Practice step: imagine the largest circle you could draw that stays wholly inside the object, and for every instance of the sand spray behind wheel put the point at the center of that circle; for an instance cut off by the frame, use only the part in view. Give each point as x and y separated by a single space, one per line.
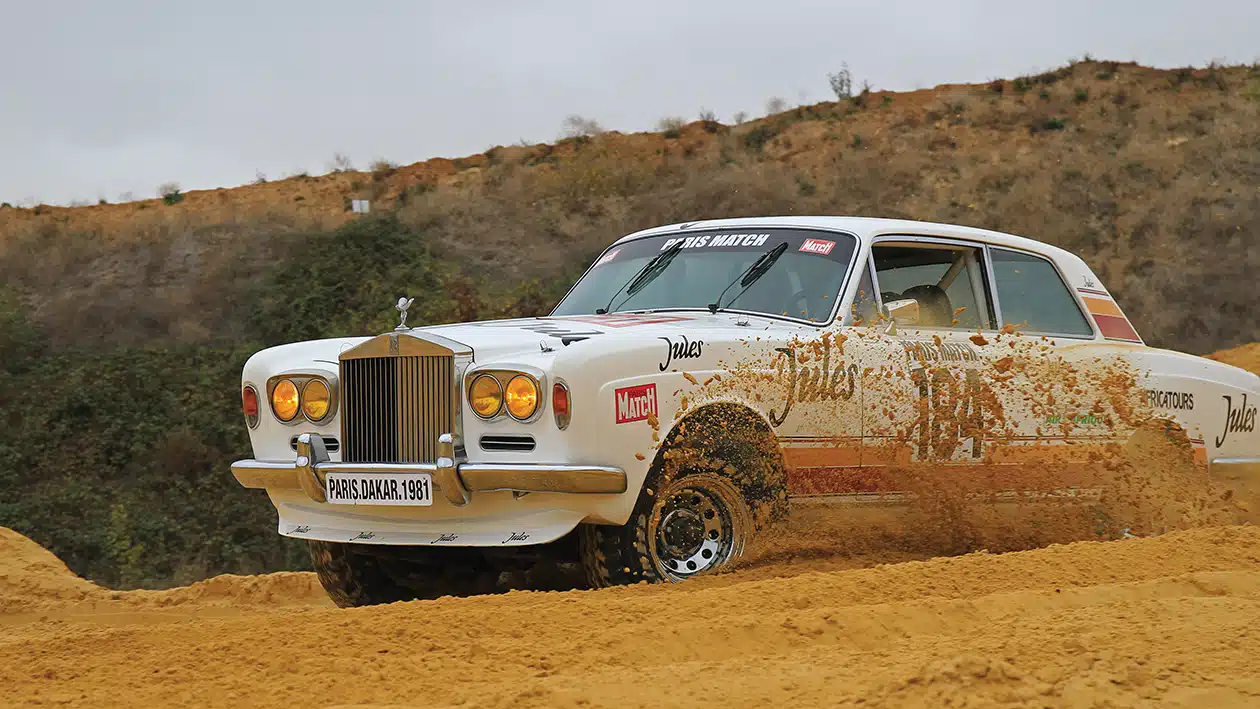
1024 444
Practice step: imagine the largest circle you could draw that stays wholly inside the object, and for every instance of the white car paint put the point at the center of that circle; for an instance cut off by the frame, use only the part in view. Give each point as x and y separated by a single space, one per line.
622 351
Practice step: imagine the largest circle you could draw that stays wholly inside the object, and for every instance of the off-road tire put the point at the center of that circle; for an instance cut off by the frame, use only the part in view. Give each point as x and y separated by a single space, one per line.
724 448
363 575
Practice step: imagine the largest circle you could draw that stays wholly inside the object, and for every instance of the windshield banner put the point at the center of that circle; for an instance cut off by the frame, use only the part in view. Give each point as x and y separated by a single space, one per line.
701 241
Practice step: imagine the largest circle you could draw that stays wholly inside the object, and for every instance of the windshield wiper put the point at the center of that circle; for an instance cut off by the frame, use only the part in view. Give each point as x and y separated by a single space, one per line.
646 275
750 275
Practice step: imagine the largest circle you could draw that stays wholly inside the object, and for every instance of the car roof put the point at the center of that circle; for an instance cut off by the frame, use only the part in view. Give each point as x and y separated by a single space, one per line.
867 229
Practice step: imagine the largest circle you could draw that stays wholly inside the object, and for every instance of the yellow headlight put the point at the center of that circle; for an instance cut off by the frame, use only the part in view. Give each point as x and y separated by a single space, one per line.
284 400
316 400
486 396
521 397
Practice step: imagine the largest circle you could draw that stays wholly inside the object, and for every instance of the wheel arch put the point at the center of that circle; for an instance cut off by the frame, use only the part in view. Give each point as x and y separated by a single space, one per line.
717 431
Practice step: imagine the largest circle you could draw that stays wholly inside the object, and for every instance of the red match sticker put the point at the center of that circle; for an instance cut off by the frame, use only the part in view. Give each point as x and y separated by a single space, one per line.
636 403
817 246
606 258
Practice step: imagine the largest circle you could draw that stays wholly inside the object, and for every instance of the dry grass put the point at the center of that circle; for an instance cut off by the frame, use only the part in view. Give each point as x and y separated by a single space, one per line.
1152 176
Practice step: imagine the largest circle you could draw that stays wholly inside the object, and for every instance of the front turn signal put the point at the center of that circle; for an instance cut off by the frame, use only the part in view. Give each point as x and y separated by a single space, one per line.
560 405
521 397
249 404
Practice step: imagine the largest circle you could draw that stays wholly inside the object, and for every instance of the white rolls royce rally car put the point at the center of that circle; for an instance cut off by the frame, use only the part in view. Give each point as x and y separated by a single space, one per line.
700 377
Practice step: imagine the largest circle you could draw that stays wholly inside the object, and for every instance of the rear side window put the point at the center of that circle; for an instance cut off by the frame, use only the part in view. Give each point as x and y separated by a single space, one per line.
1034 298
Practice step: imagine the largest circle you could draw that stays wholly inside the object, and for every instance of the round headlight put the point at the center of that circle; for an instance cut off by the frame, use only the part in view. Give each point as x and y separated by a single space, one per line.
485 395
521 397
284 400
316 400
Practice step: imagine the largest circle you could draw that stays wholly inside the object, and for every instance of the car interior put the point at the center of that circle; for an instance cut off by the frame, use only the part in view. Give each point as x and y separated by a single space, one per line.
941 278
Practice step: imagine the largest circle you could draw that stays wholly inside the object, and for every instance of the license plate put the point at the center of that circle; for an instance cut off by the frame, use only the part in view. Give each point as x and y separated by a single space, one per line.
379 489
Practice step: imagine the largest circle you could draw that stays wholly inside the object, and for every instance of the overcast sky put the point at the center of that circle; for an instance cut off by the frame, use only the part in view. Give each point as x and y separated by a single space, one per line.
98 99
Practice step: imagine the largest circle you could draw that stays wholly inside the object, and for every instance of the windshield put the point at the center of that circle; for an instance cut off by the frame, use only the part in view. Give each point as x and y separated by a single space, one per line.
802 283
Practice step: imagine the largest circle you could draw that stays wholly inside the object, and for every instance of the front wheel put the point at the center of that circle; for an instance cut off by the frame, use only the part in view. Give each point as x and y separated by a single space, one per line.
696 524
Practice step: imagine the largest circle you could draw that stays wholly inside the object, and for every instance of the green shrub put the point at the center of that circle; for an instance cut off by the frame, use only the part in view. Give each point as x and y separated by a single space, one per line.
170 193
1052 123
757 138
671 127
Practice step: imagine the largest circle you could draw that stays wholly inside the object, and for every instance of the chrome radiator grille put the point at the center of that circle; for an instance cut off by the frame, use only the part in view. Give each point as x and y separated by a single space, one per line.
394 408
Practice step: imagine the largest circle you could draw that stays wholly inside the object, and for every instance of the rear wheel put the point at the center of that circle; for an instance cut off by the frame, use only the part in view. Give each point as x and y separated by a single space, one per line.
1156 485
365 575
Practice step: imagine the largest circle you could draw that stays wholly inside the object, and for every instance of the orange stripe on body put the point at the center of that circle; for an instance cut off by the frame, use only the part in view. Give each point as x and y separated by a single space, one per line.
1111 320
840 456
831 481
889 453
888 468
1098 306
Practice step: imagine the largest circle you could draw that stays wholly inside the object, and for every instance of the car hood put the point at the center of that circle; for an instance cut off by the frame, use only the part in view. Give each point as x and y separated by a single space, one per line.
492 339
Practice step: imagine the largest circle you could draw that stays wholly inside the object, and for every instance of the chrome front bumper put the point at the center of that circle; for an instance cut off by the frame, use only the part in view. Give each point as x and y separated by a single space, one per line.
454 479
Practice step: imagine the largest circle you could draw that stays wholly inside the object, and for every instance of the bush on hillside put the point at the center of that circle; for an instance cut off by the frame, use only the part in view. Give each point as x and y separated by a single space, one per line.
166 309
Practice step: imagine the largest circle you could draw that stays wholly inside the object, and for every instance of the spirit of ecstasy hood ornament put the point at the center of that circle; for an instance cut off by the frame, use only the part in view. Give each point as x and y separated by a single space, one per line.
403 303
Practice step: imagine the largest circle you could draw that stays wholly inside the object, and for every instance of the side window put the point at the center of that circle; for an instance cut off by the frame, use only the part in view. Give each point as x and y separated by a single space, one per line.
1033 296
948 282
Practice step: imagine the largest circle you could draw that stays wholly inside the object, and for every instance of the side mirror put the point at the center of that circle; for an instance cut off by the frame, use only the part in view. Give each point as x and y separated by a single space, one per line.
902 312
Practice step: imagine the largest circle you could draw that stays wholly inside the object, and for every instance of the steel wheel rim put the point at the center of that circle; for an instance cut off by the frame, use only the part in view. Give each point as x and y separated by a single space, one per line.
696 530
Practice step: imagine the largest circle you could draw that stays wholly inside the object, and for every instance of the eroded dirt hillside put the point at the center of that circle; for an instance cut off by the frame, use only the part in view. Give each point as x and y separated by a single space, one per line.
1148 174
1129 623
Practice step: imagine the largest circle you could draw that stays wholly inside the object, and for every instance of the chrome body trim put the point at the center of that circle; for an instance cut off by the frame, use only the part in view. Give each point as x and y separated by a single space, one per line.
401 391
412 343
455 479
1236 466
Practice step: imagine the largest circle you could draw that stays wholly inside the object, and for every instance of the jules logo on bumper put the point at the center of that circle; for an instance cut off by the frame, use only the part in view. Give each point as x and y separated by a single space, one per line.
1239 418
635 403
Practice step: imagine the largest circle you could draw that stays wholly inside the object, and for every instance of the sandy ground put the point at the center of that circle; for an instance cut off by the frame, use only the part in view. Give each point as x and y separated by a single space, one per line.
826 614
1169 621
